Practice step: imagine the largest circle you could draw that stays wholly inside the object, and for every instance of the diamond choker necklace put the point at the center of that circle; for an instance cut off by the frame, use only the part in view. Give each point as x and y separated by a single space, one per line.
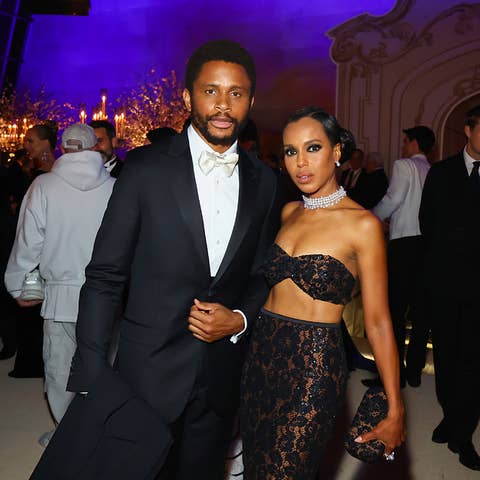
324 202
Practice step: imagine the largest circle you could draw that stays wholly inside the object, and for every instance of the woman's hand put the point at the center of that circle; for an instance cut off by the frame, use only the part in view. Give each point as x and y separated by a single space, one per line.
390 431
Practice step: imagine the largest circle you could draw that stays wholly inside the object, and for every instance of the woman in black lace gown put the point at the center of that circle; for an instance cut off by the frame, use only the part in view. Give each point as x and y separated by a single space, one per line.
295 373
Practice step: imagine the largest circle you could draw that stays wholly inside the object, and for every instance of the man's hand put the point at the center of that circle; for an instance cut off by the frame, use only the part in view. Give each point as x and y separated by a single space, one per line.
28 303
210 322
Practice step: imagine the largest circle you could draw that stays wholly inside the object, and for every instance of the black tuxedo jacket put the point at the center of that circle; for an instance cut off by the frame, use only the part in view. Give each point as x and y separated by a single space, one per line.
370 188
152 233
110 434
115 172
450 226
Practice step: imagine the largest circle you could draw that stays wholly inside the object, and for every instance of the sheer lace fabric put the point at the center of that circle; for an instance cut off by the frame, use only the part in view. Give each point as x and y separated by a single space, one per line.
321 276
293 380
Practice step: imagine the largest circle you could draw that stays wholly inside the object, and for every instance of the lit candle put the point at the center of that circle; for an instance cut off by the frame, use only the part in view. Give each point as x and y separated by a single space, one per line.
104 110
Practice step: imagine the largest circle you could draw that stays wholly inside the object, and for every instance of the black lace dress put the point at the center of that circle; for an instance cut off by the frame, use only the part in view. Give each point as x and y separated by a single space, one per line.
294 376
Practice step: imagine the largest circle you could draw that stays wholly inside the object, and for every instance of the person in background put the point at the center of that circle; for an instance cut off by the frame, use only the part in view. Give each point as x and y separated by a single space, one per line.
372 183
57 225
106 144
401 204
451 229
160 135
349 177
39 142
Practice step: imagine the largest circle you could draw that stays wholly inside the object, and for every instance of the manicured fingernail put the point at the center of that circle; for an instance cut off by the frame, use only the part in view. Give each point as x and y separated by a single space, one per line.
358 439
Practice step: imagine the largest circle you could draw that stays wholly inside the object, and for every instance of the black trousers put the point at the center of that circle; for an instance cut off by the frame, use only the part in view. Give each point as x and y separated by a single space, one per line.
201 439
29 359
406 297
456 339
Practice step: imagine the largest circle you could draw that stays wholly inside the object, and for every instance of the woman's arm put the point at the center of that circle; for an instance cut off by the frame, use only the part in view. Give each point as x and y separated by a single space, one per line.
372 265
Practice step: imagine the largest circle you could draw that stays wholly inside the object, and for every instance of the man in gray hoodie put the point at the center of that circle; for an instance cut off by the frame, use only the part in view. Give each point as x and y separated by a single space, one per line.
58 222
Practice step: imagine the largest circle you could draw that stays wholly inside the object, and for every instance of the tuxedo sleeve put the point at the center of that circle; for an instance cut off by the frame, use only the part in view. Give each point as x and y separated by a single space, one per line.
257 289
427 210
106 276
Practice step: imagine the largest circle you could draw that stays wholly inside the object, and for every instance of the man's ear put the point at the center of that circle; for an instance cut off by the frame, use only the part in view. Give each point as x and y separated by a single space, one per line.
114 142
252 101
467 131
187 100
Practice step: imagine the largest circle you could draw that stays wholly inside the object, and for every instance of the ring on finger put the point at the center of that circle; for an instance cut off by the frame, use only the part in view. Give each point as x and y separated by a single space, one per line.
390 457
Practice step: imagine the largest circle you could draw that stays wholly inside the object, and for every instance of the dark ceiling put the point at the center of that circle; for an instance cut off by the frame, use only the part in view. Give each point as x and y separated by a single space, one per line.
58 7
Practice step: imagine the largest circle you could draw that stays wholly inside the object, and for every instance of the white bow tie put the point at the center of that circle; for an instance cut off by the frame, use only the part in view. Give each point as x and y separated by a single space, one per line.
209 160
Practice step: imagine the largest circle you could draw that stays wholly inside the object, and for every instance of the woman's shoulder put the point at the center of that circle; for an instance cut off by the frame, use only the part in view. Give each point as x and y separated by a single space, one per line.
360 219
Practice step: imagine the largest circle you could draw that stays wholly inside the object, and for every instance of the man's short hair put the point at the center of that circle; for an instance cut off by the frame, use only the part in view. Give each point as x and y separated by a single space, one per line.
220 50
109 128
78 137
472 119
423 135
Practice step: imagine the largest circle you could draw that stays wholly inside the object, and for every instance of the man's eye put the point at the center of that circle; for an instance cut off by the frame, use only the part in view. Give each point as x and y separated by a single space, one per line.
236 94
314 148
289 152
209 91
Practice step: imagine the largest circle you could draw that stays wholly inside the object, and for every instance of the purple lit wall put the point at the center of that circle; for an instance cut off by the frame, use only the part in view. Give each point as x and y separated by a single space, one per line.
114 47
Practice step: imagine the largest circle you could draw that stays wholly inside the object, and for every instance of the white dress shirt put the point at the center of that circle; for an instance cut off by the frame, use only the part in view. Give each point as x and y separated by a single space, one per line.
110 164
218 195
468 161
402 200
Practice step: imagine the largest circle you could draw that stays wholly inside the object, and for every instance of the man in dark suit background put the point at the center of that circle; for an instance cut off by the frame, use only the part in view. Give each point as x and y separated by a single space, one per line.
188 226
372 183
449 221
349 177
106 144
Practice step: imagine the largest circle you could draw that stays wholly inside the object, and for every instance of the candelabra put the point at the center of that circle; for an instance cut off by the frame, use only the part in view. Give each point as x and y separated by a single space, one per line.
12 134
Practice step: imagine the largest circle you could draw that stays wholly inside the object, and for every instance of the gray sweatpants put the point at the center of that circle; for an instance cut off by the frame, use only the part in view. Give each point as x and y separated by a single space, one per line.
59 346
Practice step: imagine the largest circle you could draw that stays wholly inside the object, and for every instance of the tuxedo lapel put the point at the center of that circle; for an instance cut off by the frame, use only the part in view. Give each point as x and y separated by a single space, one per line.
186 195
248 182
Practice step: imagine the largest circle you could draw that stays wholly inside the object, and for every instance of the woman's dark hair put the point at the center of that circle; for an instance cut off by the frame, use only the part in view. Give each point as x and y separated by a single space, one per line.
219 50
333 130
48 132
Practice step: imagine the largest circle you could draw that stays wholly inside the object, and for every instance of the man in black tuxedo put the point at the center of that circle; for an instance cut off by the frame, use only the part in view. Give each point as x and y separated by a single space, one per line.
372 183
450 226
106 144
188 226
350 176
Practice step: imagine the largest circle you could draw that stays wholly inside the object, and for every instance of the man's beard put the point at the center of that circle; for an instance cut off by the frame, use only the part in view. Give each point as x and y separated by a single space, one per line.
201 123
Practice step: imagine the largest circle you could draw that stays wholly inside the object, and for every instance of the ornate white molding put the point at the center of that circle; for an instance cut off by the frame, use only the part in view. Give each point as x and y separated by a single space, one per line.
381 40
387 80
468 86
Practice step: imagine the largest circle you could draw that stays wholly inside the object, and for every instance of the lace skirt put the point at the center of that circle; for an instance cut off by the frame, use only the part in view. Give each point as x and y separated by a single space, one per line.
293 383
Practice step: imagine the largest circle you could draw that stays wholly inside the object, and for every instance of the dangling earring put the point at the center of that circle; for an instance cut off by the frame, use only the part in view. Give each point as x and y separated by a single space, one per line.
337 163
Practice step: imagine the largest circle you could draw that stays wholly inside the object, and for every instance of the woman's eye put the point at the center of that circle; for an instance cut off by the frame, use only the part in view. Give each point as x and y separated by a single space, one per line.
314 148
288 152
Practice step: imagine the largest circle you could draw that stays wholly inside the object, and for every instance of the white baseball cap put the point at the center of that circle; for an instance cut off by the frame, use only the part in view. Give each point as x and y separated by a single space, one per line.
79 137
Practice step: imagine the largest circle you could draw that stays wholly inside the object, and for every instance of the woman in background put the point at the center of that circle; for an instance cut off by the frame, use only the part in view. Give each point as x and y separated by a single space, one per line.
295 373
39 142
